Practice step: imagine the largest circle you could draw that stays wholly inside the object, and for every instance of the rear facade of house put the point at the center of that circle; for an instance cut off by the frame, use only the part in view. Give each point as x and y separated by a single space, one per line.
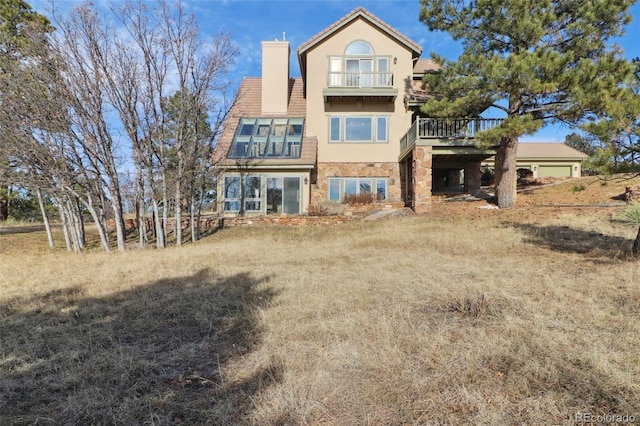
349 126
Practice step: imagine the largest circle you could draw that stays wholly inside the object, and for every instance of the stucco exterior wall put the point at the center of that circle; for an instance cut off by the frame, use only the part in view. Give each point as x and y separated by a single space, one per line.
318 111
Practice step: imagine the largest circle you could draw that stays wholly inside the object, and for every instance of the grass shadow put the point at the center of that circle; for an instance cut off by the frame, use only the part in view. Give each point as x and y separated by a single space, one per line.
561 238
160 353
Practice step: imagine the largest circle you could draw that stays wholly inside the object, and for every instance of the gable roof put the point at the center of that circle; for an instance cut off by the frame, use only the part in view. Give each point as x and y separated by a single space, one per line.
358 13
248 104
550 150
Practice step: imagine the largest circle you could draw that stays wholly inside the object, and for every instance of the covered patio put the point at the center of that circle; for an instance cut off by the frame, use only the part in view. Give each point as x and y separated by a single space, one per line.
440 155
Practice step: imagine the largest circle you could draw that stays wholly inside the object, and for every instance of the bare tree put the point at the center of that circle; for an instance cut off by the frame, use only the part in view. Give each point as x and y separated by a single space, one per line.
82 46
156 80
170 140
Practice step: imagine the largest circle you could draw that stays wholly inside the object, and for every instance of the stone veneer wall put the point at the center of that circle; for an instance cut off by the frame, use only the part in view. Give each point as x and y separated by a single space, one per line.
329 170
421 178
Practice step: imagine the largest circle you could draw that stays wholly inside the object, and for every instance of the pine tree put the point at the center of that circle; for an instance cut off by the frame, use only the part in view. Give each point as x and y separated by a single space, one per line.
538 61
17 21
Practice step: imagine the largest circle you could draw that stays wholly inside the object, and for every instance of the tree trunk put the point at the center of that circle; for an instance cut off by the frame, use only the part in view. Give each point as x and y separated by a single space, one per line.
4 210
65 226
100 223
81 230
116 205
140 204
506 173
74 226
192 218
158 226
636 244
165 205
45 218
178 214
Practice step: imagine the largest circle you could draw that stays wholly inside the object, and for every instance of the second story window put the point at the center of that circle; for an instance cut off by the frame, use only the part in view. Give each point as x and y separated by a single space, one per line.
360 67
361 128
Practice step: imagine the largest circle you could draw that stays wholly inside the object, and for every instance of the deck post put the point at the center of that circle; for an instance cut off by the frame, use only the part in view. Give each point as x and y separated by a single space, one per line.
472 177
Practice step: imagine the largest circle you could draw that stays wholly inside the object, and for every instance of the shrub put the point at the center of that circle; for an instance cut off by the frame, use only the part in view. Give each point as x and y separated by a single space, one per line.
318 210
329 208
524 173
473 305
362 198
487 176
631 214
578 188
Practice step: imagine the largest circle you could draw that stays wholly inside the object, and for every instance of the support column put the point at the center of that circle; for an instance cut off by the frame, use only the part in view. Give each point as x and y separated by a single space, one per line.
472 177
421 178
453 179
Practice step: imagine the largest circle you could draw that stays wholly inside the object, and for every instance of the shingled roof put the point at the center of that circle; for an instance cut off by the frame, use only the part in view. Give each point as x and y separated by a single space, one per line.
248 104
358 13
549 150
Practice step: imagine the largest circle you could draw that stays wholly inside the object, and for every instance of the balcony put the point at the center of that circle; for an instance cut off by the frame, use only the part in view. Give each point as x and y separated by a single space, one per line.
361 84
445 132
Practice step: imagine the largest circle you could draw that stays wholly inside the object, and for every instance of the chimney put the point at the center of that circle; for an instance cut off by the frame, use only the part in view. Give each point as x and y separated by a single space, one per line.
275 77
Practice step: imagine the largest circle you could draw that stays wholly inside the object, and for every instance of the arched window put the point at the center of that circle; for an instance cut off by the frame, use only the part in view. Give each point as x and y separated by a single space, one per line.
359 48
360 67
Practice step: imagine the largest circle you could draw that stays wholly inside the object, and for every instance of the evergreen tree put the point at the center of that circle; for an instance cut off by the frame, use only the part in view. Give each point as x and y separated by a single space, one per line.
581 143
618 131
538 61
18 23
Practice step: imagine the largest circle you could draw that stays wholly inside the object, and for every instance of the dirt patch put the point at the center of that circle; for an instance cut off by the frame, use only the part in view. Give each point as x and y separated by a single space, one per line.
542 198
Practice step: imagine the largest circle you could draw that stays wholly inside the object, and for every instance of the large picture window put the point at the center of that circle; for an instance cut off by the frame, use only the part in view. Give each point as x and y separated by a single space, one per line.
342 187
233 196
358 129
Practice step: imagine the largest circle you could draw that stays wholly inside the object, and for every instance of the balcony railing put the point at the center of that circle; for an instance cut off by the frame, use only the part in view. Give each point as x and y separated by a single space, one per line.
360 79
447 129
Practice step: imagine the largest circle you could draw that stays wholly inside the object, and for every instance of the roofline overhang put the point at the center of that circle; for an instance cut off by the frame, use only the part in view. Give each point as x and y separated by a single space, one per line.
416 49
237 167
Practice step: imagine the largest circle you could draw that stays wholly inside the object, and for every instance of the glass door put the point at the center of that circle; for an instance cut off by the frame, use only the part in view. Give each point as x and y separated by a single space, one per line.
291 195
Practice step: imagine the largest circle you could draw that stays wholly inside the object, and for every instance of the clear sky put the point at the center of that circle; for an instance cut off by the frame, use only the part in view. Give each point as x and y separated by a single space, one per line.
251 22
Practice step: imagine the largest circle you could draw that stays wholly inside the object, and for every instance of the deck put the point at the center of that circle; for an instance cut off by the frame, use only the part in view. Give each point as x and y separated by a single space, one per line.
445 132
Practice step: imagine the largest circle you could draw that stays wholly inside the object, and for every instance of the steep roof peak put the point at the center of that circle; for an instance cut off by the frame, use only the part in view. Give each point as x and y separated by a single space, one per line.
354 14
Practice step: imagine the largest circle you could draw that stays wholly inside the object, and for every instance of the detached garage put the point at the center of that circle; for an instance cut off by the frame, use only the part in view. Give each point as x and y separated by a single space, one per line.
548 170
547 159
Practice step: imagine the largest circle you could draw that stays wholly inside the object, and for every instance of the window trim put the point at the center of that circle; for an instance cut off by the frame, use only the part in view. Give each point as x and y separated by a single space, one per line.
259 199
341 122
374 181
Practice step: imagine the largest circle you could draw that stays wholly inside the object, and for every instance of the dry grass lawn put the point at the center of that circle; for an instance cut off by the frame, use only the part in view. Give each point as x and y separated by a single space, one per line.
526 316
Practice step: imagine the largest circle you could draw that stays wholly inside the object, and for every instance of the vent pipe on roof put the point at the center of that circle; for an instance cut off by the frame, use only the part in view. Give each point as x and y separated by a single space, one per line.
275 77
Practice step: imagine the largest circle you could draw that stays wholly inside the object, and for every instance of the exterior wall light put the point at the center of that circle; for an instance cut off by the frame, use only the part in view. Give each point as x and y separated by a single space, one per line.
306 180
395 60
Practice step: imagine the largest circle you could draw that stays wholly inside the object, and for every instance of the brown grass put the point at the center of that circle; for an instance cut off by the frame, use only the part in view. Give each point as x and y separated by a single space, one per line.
419 320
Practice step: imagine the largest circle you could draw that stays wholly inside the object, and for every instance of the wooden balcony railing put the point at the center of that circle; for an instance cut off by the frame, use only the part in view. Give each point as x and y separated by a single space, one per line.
447 129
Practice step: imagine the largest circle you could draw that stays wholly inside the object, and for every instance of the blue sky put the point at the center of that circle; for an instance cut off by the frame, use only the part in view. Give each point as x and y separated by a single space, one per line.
251 22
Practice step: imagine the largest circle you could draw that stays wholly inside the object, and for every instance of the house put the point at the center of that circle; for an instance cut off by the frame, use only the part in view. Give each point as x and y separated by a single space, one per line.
547 159
351 124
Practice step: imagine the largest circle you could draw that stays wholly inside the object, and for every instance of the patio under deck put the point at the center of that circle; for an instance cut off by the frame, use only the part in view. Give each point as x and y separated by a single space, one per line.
437 154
